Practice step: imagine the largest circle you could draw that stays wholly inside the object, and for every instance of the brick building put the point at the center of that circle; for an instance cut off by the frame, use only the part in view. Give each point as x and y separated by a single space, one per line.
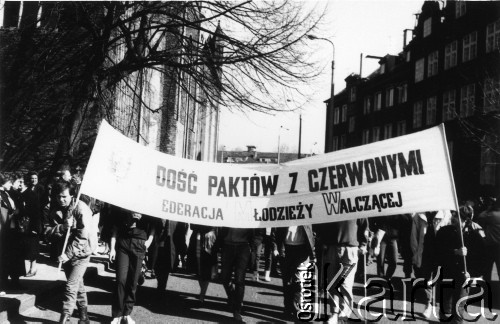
448 72
163 110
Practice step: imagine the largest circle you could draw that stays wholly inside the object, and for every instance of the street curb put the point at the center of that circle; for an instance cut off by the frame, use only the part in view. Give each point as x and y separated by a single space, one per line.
14 305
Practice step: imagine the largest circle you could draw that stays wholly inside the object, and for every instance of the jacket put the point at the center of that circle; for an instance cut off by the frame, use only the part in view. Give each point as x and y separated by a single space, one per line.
281 236
83 240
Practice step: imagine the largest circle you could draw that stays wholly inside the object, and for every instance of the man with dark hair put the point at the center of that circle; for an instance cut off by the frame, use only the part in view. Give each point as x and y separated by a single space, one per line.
77 218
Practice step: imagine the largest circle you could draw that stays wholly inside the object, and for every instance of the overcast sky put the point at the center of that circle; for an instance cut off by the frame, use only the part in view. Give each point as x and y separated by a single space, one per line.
369 27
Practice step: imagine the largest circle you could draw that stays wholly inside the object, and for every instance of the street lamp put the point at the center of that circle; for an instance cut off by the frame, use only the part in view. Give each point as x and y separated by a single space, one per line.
279 143
332 90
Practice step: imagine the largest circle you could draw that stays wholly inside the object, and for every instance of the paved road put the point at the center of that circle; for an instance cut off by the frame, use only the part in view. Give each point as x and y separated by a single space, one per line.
263 302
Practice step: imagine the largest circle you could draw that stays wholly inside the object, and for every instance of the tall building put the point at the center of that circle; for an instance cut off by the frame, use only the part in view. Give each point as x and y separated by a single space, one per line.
157 106
448 72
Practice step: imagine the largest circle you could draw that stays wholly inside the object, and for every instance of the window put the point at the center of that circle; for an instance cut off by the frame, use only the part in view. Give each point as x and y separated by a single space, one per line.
336 116
459 8
366 105
427 26
342 142
417 114
450 55
376 134
366 136
431 111
382 68
449 105
335 143
491 94
352 124
432 64
469 47
419 70
408 56
401 128
344 113
387 131
378 101
402 93
467 99
493 36
487 174
353 94
389 97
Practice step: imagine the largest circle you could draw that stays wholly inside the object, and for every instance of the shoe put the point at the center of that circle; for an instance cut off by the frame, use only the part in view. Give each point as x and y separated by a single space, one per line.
84 317
141 279
116 320
64 318
429 311
128 319
31 273
267 276
237 317
334 319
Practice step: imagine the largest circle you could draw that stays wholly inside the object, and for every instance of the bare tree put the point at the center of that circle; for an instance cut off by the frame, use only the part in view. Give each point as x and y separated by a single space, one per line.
66 71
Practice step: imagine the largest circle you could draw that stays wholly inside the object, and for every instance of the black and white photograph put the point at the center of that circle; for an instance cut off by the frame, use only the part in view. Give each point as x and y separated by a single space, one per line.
250 161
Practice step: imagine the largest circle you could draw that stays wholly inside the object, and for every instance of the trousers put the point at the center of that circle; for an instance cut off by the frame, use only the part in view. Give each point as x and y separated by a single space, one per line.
130 253
235 258
74 292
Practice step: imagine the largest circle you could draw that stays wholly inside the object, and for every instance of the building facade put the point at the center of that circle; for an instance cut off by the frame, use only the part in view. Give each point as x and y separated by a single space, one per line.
251 155
449 72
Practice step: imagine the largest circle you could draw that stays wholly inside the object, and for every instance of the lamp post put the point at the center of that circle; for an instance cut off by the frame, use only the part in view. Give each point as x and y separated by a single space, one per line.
279 143
300 135
332 89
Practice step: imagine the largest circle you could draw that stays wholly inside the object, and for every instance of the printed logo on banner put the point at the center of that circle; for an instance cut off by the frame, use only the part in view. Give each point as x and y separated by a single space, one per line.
120 164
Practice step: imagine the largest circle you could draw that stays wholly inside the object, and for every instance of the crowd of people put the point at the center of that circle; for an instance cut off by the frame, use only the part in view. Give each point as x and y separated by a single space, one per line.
462 243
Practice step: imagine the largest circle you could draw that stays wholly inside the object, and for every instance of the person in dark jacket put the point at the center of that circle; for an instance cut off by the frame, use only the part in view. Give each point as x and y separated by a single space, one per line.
166 252
235 258
35 199
11 256
423 245
390 226
202 256
451 254
131 236
340 243
299 251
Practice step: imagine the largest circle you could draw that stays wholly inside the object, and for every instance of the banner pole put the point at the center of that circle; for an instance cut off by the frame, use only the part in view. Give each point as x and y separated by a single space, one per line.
445 142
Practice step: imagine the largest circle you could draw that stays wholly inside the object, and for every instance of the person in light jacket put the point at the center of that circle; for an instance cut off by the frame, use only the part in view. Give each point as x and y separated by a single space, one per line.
77 218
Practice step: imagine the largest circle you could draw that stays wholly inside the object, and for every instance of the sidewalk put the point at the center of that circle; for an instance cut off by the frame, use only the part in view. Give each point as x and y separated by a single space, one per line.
46 282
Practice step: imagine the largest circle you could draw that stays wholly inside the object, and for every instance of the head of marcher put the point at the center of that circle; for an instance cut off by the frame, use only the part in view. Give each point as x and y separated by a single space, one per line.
32 178
5 181
64 192
65 175
465 213
18 182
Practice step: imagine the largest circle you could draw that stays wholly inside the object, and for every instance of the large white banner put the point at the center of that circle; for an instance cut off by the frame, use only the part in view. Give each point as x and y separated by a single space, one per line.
401 175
